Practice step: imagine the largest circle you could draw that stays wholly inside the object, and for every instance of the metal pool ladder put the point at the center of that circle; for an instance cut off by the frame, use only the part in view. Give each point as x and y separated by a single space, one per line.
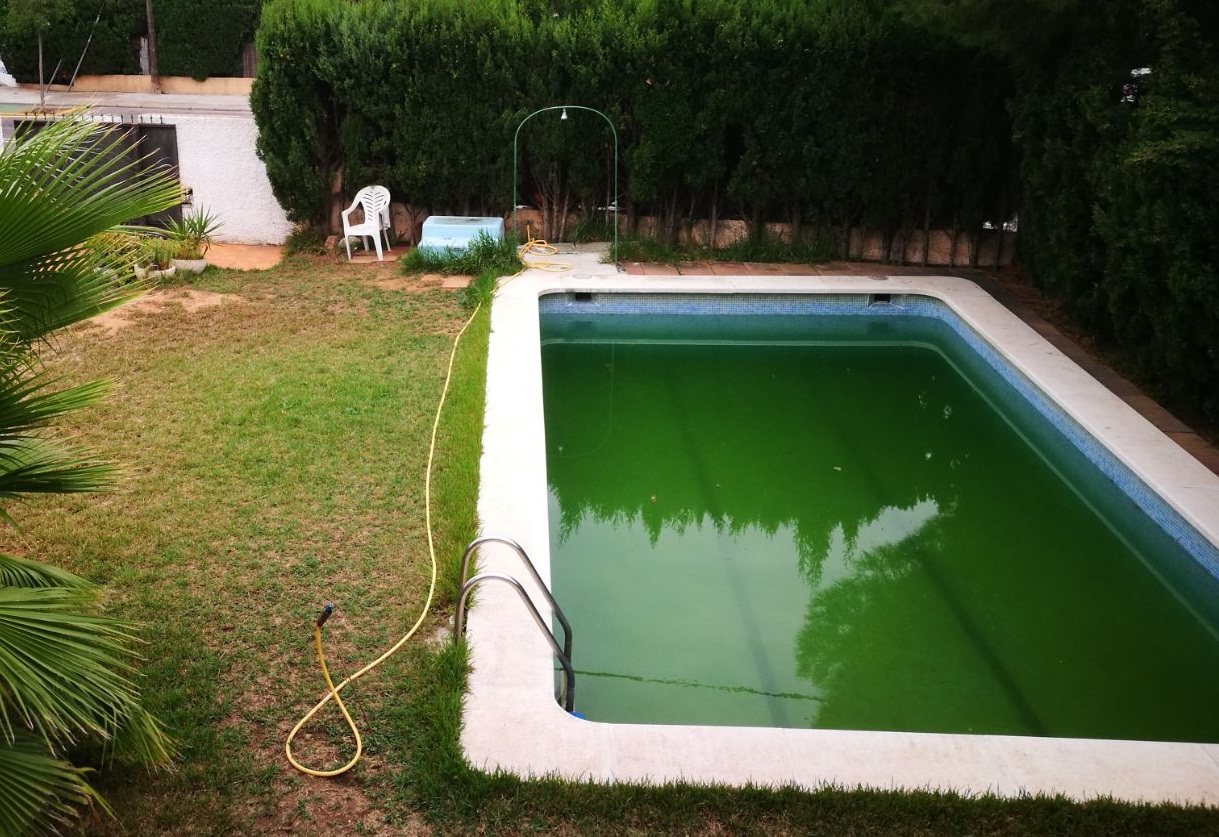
567 693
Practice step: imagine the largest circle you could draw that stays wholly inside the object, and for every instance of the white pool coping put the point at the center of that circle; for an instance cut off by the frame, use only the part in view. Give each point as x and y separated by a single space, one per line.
511 721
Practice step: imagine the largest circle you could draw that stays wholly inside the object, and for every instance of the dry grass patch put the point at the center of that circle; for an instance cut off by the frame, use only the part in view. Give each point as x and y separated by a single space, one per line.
155 302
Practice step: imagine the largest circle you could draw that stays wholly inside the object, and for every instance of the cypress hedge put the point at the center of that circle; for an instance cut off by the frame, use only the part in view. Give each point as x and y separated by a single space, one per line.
822 115
197 38
1118 172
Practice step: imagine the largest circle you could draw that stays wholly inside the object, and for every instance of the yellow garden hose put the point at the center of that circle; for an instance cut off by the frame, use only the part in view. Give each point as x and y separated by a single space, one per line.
333 693
538 247
533 246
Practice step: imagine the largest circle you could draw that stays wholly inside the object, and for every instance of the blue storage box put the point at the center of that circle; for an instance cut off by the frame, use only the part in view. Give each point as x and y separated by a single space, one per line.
455 232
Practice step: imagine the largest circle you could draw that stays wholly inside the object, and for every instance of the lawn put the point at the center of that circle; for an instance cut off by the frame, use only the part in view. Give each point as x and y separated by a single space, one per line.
276 446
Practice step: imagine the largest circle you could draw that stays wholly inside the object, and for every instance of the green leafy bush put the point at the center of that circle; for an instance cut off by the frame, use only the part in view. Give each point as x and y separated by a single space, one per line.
1118 172
204 38
821 115
197 38
484 254
297 111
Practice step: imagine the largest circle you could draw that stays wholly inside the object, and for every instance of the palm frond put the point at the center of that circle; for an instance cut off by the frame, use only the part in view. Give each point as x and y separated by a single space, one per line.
32 465
38 789
22 572
64 673
31 462
66 676
66 287
142 740
59 188
27 403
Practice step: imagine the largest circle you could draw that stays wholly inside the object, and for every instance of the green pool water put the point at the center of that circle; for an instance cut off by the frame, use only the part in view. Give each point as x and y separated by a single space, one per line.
835 522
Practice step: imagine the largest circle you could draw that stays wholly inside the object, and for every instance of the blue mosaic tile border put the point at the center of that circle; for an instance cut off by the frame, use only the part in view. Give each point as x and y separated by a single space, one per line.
1202 550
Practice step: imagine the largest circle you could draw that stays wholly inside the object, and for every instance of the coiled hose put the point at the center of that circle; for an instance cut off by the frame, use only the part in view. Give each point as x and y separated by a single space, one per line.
534 246
333 690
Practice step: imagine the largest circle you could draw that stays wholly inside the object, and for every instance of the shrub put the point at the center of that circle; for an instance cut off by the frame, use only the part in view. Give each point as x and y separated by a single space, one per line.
484 254
192 235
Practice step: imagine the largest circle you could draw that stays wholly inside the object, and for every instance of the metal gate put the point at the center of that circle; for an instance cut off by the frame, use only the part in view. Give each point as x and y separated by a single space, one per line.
146 147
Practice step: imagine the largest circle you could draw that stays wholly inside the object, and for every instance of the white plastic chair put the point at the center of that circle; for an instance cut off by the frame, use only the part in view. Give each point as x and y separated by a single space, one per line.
374 200
387 223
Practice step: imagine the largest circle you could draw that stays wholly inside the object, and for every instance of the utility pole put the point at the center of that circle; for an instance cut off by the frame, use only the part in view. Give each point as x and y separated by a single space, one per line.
152 48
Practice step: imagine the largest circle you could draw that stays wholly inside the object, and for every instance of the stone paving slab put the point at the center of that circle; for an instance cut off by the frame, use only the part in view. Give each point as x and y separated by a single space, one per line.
660 270
695 269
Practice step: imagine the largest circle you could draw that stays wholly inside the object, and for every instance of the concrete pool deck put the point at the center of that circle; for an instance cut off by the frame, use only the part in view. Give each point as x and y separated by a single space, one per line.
512 722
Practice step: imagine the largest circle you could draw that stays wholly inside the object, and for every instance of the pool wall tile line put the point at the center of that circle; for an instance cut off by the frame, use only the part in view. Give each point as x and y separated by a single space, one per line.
511 720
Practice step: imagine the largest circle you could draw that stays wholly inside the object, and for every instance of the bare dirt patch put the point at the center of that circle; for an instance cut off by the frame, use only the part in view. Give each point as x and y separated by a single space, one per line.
338 805
411 284
157 301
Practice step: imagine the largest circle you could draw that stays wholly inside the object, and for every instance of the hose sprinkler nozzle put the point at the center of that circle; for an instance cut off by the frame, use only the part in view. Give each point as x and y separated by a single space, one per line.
327 609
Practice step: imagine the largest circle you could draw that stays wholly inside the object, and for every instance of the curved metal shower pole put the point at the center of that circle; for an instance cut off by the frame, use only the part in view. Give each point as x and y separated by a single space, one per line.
613 130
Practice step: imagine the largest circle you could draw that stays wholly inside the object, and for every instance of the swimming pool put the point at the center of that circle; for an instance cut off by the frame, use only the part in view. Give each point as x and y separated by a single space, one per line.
832 512
511 720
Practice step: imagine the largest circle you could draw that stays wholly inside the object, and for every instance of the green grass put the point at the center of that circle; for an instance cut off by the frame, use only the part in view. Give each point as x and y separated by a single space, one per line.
485 261
484 253
761 248
275 448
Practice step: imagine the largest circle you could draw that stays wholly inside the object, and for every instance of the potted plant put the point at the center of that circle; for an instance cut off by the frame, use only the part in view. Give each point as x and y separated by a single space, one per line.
154 259
190 238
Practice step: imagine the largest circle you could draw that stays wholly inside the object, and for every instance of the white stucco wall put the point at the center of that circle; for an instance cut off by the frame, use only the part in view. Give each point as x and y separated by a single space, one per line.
216 158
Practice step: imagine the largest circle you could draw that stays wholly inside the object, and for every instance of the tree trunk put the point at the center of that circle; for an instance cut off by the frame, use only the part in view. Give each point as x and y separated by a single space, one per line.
715 216
669 218
336 203
926 228
902 239
42 88
956 235
1002 225
565 206
688 222
152 47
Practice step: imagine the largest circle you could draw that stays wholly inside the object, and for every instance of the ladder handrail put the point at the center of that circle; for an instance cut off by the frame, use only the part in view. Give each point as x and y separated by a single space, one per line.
459 625
533 571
